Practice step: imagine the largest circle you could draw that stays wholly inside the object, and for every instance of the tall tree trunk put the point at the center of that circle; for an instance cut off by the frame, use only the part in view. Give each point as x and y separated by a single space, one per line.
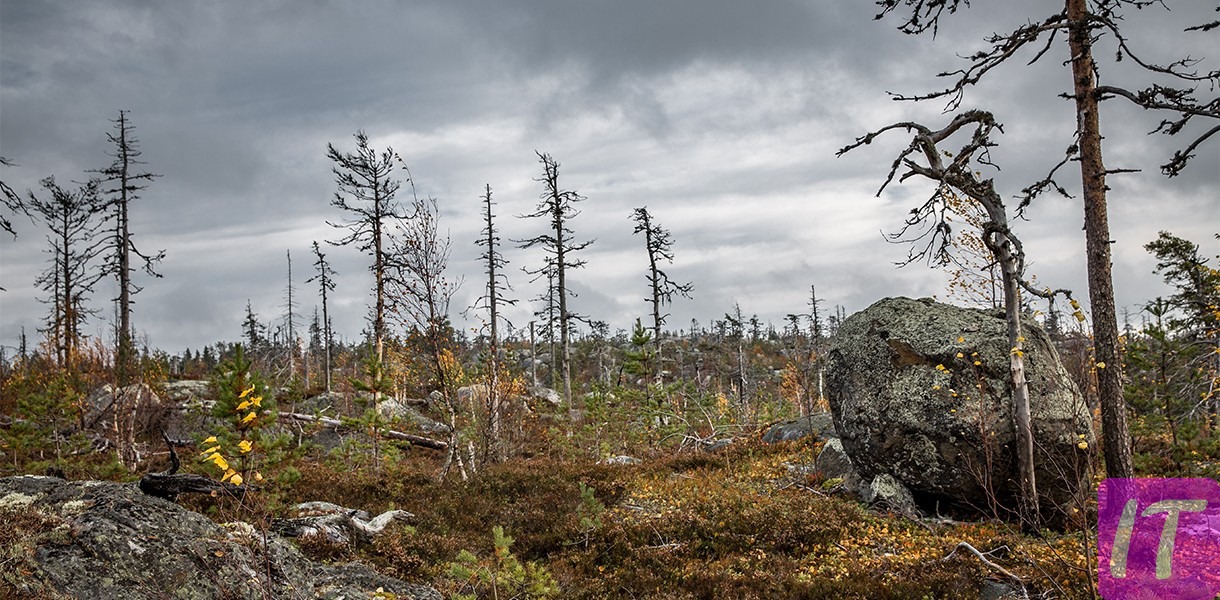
1115 436
124 359
564 318
1022 420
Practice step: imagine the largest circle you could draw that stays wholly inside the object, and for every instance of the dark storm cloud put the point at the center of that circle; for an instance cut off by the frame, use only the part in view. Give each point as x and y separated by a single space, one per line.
722 117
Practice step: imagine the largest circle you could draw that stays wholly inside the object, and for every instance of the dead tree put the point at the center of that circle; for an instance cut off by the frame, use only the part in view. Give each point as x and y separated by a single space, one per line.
960 171
366 195
12 202
1171 91
493 298
659 244
423 293
122 182
326 283
558 205
70 278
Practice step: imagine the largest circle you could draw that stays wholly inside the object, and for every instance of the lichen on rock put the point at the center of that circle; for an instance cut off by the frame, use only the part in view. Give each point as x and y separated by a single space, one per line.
108 540
921 391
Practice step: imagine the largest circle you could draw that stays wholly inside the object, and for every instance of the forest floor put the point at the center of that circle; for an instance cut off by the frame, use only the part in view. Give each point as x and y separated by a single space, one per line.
742 522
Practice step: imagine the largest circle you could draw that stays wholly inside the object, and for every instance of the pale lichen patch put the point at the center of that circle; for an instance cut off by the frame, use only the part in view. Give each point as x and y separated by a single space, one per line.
16 500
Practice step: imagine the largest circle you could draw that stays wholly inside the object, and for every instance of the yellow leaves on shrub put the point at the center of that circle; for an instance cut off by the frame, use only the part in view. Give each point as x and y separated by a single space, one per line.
245 446
220 462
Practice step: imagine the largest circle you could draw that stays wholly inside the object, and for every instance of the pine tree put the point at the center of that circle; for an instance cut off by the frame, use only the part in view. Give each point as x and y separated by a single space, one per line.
326 284
122 181
493 298
366 194
558 206
659 244
70 279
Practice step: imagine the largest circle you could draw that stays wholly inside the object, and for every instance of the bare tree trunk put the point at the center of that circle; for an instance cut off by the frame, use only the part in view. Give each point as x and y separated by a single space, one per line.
1022 420
1115 435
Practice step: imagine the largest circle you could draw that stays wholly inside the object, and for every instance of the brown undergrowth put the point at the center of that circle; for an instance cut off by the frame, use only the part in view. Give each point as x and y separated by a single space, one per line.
733 524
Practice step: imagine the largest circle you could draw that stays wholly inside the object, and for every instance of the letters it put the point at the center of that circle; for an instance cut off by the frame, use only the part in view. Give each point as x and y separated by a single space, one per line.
1164 552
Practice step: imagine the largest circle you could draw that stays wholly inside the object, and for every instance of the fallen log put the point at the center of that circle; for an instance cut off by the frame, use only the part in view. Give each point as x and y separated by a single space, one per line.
416 440
170 483
336 524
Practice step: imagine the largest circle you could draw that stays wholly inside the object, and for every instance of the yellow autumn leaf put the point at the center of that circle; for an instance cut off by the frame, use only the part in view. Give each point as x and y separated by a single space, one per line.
960 355
210 440
228 473
961 339
1101 365
243 406
248 418
237 480
245 446
257 401
246 392
220 462
1083 445
212 450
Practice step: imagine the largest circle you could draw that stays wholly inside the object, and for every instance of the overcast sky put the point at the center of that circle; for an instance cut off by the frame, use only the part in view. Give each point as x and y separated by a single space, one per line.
722 117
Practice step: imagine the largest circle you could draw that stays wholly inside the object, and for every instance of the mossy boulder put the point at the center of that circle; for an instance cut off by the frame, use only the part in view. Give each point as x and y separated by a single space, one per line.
921 391
103 540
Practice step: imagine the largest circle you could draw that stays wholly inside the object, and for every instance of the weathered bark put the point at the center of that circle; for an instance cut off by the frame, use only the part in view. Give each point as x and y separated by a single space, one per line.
170 484
1116 440
1009 269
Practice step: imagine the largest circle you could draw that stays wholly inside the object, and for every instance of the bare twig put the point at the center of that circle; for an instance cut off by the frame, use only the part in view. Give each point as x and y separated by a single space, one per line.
986 561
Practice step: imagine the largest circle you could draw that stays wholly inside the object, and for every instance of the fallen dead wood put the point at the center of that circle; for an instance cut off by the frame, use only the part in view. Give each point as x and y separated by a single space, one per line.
335 523
170 483
416 440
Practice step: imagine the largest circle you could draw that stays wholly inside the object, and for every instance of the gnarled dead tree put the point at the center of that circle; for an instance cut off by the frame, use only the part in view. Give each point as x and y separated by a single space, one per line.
959 171
1170 88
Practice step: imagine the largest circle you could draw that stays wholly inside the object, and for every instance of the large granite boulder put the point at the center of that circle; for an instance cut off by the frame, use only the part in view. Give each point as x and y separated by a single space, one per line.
921 391
106 540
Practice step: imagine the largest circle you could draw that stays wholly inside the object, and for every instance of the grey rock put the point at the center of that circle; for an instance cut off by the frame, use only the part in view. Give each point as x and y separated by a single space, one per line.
833 463
187 392
331 403
890 493
999 590
943 433
820 425
621 460
102 404
400 411
545 393
101 540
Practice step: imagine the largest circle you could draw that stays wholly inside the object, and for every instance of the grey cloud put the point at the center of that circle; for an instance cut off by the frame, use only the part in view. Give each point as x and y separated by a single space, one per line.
722 117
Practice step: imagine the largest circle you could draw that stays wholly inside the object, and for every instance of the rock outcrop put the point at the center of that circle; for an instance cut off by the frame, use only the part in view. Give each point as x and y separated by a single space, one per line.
819 425
920 391
101 540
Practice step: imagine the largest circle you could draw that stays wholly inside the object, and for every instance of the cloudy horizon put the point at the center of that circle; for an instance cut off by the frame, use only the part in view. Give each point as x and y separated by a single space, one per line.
723 118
